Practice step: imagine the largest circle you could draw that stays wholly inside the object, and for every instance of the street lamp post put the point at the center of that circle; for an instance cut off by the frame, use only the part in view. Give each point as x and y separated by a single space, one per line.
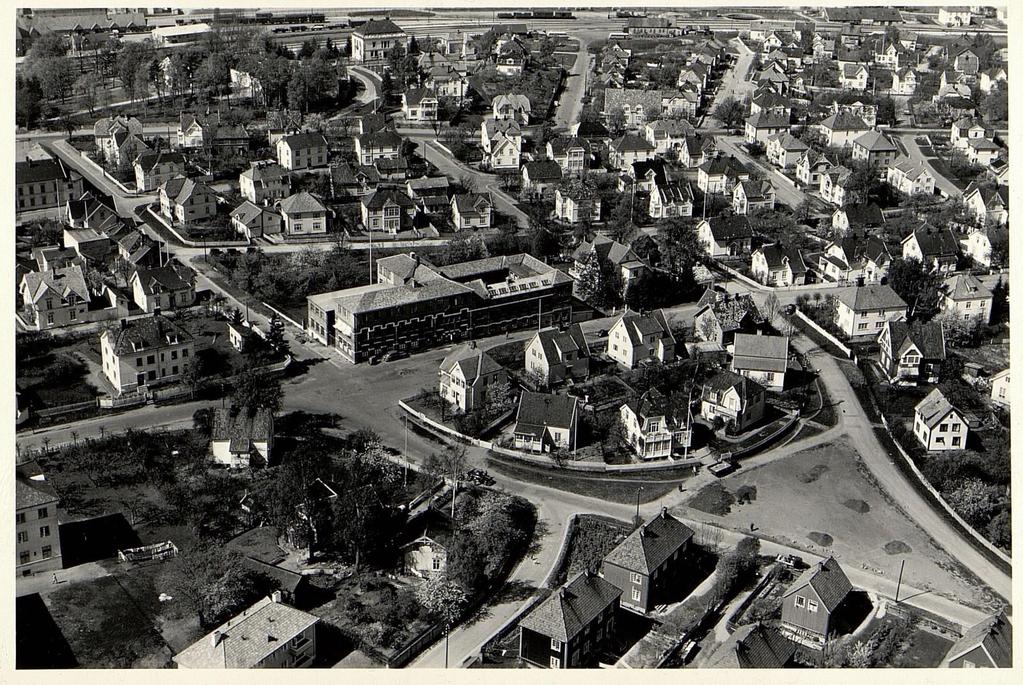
637 502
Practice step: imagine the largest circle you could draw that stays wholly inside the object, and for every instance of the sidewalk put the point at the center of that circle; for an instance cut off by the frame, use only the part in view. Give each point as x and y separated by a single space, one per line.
44 585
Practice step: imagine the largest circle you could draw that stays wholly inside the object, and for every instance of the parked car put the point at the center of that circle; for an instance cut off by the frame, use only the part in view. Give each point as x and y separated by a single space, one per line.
395 355
479 477
791 560
721 468
375 359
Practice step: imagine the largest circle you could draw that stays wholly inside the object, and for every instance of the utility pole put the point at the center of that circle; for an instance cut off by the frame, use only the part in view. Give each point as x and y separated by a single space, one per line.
637 502
899 585
404 481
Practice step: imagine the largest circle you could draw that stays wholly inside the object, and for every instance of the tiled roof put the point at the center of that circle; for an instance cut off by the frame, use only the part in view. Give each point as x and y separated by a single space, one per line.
555 343
928 338
179 189
539 410
760 353
637 325
300 203
777 255
543 170
513 100
724 228
473 361
31 494
39 171
241 427
933 408
875 141
415 96
754 646
723 380
633 97
381 197
471 202
966 287
248 638
147 333
562 144
844 121
674 193
381 296
935 242
160 278
375 27
265 170
827 579
756 191
725 164
62 281
768 119
649 546
993 635
248 212
862 215
789 142
662 128
870 297
630 142
301 141
568 610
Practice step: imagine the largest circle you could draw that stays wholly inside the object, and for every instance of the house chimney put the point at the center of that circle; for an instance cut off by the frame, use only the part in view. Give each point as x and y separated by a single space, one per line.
124 324
276 597
216 638
156 311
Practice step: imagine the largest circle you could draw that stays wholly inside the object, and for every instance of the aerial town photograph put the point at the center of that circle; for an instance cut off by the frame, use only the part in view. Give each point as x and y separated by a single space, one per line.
453 337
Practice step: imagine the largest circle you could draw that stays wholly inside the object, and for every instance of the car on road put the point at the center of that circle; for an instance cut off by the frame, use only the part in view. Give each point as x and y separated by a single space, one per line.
479 477
792 561
721 468
395 355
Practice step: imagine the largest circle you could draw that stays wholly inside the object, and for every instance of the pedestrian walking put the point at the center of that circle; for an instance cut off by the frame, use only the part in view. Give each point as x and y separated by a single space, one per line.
54 581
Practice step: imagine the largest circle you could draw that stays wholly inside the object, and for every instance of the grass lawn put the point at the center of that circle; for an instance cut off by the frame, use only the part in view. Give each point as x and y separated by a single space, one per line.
923 650
596 485
510 355
820 491
108 622
54 374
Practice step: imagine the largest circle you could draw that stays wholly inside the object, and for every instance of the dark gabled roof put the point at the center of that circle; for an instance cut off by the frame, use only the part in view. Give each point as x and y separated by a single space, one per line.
650 545
723 380
383 138
289 581
471 202
378 27
653 403
300 141
301 202
630 142
928 338
147 333
777 255
570 609
148 160
993 635
725 228
384 195
543 170
875 141
562 144
862 215
827 579
414 96
638 325
844 121
555 343
966 287
539 410
764 647
936 242
39 171
473 362
725 164
161 278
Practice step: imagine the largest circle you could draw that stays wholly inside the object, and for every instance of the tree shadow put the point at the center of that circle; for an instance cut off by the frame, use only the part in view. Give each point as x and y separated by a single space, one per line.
300 367
540 531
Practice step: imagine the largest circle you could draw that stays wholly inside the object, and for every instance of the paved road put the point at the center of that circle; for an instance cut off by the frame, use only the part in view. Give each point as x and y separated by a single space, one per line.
733 84
860 433
370 81
570 103
452 168
784 191
916 154
124 203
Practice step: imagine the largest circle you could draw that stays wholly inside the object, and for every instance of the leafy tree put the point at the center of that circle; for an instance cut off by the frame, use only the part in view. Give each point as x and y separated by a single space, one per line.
443 598
214 584
46 45
275 337
918 288
1000 302
28 100
56 77
651 290
499 398
730 112
129 59
255 389
996 105
599 282
466 563
680 250
974 500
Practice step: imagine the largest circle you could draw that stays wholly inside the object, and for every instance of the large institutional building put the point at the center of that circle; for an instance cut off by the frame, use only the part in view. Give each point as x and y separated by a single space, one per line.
415 305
